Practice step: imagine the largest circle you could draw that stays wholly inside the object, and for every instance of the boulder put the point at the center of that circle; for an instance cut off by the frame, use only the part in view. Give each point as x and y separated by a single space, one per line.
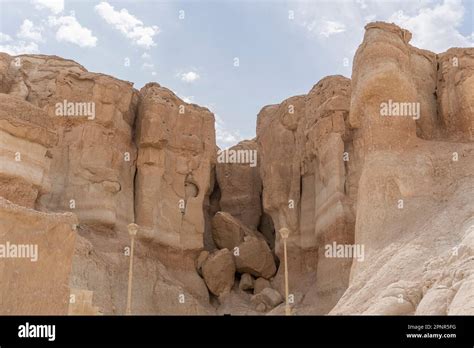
260 284
255 257
227 231
246 282
269 297
219 271
203 255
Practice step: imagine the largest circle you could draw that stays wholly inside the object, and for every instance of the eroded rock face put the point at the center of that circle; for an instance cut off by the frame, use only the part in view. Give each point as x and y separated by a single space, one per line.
359 175
93 114
26 135
405 208
302 144
240 184
454 91
177 150
337 166
34 269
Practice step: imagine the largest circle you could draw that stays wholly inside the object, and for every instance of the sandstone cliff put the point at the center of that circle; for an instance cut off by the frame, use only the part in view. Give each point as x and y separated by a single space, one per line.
85 154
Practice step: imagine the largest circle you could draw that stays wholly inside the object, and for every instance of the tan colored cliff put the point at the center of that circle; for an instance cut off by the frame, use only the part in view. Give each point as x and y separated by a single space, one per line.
380 164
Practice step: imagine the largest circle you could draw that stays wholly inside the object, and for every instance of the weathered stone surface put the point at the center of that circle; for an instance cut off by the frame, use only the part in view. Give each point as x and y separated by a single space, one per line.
240 184
203 255
218 272
260 284
246 282
227 231
89 163
26 135
455 97
255 257
35 265
269 297
402 165
307 187
80 303
331 167
176 153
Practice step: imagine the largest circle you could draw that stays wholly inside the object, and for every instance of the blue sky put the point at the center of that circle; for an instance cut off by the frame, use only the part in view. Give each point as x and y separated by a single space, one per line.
283 47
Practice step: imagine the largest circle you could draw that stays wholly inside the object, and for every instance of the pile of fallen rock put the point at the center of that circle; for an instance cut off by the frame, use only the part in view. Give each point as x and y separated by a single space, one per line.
242 253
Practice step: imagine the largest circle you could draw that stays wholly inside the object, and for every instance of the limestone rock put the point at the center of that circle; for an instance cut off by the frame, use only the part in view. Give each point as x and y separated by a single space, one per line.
255 257
227 231
269 297
246 282
42 273
260 284
394 191
218 272
203 255
409 248
93 161
176 144
26 137
307 187
240 184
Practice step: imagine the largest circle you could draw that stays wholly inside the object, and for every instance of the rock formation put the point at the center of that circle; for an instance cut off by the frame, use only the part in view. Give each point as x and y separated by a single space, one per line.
372 175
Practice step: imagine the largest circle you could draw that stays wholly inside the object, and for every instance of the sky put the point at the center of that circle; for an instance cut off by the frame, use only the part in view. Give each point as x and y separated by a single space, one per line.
234 56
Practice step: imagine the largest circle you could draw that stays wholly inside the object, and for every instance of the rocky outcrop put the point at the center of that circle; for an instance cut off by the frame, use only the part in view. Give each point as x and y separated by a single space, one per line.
177 151
26 137
34 270
372 176
239 182
403 201
93 114
302 144
339 170
455 100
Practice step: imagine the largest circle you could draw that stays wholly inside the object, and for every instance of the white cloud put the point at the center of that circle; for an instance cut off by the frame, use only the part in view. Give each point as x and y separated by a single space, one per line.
146 56
148 66
5 37
225 137
20 47
55 6
70 30
189 77
326 28
129 25
188 100
28 31
435 28
435 25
